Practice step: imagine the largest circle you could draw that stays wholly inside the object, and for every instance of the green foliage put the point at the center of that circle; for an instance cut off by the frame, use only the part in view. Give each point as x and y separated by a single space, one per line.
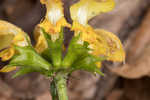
53 90
54 51
87 63
51 62
27 56
29 61
75 51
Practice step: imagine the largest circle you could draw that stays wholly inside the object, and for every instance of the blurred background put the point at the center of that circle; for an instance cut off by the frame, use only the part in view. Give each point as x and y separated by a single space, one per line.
130 20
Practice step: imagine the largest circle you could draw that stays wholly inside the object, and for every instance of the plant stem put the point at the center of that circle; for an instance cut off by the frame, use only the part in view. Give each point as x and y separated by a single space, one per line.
61 86
53 91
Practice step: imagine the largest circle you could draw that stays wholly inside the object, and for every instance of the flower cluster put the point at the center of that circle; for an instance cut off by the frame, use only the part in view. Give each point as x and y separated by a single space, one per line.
87 49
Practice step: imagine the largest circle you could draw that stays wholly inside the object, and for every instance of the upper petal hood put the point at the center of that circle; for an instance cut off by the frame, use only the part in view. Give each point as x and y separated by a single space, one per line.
113 46
54 18
10 35
86 9
54 10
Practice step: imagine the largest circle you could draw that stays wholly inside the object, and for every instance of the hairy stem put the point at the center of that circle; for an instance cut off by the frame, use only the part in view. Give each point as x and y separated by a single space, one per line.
61 86
53 91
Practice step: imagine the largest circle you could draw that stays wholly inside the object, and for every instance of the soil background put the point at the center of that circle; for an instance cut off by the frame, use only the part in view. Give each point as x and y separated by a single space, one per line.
130 20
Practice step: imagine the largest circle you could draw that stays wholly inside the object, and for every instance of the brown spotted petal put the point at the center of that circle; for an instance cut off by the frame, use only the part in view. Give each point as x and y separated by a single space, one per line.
113 46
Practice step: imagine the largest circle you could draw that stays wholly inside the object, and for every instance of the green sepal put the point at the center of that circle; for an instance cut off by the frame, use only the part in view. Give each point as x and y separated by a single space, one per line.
27 69
88 63
23 71
27 56
75 51
54 50
46 55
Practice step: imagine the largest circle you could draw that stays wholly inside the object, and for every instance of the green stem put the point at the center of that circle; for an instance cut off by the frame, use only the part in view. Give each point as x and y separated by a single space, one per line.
61 86
53 91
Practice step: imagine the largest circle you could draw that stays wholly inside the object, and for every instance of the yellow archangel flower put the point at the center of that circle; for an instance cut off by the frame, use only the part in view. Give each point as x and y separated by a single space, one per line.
10 35
52 24
102 43
86 9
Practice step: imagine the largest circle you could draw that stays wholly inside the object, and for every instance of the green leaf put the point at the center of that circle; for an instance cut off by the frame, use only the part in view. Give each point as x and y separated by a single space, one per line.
75 51
28 69
46 55
54 51
23 71
27 56
88 63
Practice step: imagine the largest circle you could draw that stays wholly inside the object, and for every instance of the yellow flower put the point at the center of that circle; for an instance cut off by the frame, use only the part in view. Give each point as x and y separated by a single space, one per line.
54 18
54 10
86 9
10 35
101 42
52 24
114 49
7 54
41 43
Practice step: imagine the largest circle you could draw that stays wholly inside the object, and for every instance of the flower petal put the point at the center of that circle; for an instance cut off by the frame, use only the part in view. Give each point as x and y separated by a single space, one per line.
101 42
84 10
114 48
41 44
54 10
17 36
8 69
7 54
88 34
10 35
98 64
54 18
54 29
5 40
7 33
